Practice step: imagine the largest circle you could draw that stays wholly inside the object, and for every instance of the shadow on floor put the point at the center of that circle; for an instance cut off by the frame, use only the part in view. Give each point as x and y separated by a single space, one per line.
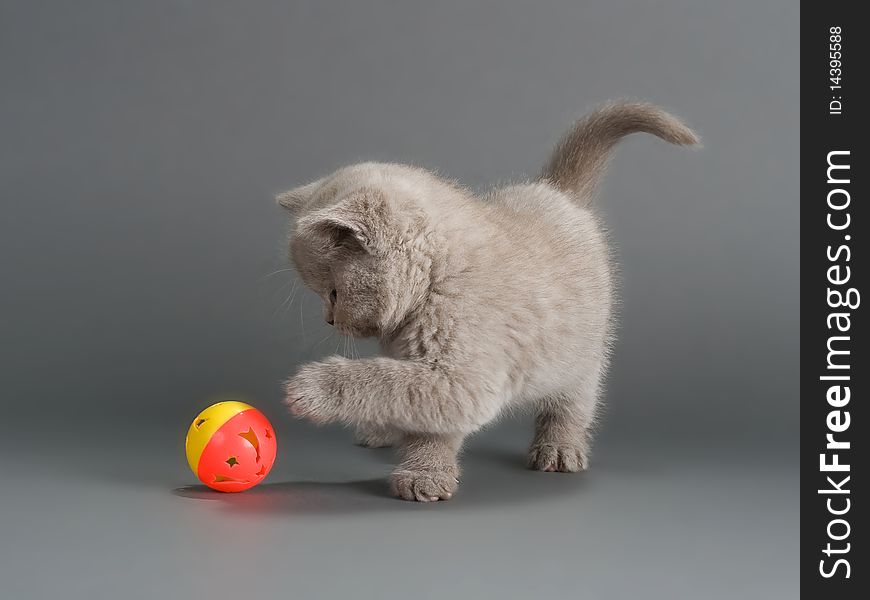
489 478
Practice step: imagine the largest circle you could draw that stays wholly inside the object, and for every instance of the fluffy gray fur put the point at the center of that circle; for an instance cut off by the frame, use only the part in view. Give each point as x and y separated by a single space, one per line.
480 304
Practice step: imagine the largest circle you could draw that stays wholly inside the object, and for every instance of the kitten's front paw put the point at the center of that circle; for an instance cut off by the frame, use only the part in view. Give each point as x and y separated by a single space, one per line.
428 485
307 394
564 458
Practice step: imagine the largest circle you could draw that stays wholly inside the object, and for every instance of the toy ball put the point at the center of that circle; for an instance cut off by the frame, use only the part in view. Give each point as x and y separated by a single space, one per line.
231 446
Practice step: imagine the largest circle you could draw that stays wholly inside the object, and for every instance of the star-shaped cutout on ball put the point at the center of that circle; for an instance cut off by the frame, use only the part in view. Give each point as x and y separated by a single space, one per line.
231 461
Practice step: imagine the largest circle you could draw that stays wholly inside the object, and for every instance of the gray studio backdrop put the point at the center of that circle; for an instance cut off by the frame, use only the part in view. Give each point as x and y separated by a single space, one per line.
141 145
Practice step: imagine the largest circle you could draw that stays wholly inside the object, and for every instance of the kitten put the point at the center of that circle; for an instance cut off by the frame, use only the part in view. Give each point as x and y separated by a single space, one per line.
479 304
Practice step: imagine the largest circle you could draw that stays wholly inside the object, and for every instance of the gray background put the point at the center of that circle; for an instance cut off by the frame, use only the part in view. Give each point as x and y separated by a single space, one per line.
141 147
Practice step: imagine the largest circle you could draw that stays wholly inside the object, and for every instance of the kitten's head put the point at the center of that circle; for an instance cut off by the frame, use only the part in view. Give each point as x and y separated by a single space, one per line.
357 242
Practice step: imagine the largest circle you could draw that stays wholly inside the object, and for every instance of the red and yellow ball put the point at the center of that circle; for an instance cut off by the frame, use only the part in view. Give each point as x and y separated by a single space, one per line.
231 446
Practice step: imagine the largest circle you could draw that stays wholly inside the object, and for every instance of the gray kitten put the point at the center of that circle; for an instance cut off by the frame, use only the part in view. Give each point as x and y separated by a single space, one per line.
479 304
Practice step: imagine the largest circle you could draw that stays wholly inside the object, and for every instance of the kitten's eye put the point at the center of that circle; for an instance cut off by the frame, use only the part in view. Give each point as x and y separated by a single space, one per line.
333 296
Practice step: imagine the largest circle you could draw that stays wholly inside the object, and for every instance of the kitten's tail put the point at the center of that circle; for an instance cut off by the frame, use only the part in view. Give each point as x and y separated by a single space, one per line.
580 159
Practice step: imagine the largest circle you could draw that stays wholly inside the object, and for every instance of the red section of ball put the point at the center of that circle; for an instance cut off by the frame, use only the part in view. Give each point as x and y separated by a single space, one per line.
239 454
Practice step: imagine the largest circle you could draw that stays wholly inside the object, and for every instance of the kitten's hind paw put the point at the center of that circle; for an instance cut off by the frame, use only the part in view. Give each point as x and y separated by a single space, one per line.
563 458
425 485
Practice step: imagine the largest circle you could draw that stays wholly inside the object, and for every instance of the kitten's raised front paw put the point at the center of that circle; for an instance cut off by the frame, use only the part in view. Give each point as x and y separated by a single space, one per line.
307 394
564 458
428 485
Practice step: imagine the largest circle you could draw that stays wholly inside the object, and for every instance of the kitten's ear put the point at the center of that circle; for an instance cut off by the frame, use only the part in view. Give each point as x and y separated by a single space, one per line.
360 221
339 232
331 230
295 199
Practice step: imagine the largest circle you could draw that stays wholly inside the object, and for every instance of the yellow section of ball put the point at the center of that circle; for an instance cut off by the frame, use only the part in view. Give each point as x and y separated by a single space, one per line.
204 426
